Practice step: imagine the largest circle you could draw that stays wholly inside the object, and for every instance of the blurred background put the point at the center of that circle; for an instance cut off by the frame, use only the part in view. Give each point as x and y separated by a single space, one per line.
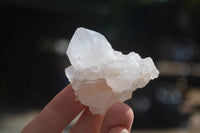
35 36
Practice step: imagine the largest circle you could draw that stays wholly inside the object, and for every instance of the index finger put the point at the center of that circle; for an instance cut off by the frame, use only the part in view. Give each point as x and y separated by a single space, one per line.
57 114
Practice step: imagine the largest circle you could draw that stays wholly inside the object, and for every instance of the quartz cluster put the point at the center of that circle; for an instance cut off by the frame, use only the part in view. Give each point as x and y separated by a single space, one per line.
101 76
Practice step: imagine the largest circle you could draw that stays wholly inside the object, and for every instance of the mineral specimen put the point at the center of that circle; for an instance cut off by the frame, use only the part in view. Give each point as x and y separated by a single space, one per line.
101 76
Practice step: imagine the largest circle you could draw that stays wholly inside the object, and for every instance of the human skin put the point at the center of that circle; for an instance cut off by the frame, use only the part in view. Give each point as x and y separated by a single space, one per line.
63 108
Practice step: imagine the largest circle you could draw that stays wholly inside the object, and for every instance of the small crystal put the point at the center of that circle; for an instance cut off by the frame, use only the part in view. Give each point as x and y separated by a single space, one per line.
101 76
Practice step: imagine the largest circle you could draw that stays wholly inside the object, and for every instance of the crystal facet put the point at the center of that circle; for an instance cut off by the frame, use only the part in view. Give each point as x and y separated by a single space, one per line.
101 76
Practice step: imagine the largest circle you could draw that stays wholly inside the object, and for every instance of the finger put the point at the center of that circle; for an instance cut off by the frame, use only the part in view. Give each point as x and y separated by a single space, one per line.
118 119
88 123
57 114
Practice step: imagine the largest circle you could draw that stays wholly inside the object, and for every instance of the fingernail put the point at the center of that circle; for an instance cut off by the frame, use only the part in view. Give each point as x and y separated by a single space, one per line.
118 130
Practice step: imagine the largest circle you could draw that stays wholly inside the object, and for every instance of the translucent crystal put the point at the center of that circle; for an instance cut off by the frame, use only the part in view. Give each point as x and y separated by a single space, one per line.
101 76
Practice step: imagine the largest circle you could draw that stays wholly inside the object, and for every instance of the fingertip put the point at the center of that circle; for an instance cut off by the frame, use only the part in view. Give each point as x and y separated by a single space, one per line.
123 111
119 114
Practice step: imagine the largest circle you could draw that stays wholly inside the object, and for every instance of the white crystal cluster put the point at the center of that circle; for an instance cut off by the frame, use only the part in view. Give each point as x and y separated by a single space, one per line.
101 76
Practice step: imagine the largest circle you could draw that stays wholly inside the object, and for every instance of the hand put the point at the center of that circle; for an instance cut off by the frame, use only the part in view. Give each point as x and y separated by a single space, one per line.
63 109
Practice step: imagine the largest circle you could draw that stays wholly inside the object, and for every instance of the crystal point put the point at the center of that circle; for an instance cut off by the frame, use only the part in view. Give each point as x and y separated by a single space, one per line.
88 48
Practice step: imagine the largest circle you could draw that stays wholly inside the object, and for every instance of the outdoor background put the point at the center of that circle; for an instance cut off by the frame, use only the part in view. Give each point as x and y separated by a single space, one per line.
35 36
